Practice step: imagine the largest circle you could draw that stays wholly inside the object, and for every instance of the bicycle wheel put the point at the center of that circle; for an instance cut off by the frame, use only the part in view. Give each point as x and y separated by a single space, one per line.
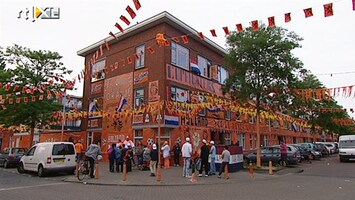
82 172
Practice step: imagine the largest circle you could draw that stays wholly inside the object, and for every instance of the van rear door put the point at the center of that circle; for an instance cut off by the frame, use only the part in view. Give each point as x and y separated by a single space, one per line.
63 155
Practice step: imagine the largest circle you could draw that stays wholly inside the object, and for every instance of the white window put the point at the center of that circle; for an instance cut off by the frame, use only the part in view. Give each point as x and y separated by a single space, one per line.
204 65
227 139
138 136
98 71
241 139
140 51
179 95
138 97
179 56
222 74
265 140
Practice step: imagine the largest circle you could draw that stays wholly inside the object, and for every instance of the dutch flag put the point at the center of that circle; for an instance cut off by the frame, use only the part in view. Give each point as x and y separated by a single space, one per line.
121 103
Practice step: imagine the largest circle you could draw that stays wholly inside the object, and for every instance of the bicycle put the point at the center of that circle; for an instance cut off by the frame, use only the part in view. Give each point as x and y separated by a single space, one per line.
83 169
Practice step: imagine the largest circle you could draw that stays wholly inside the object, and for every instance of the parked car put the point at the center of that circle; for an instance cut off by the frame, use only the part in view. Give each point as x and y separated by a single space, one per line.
49 157
331 147
321 148
11 156
273 153
314 154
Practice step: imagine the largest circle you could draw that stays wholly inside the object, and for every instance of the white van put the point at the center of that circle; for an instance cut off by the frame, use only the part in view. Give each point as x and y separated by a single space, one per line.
49 157
346 147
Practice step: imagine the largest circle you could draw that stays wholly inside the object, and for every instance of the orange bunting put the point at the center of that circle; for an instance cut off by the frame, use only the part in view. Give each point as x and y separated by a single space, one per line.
137 4
113 35
151 50
119 28
131 12
176 39
287 17
255 25
239 27
185 39
129 60
213 33
271 21
226 30
308 12
200 34
125 20
328 9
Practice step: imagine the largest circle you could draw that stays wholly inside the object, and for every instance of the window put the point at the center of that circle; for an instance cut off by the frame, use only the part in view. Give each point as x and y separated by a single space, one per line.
98 71
265 140
31 152
179 95
138 136
228 114
252 141
138 97
227 139
63 149
222 74
204 66
140 51
179 56
241 139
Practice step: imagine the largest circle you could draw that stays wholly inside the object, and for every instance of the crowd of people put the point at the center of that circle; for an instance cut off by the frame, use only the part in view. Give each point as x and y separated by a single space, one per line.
146 157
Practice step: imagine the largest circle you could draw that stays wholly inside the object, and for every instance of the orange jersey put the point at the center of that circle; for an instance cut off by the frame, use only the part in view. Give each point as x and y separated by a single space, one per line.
79 147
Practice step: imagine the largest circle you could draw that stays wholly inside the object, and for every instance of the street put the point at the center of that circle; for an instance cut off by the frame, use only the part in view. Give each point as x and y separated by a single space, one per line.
324 179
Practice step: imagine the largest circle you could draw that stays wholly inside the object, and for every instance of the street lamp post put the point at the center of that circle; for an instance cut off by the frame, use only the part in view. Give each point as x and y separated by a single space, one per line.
63 120
159 172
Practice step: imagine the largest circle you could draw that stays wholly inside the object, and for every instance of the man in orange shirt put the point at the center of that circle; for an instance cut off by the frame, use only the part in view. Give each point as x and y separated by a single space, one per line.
79 150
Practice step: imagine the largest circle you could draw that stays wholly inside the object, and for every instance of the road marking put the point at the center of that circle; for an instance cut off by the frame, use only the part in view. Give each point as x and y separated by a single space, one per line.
31 186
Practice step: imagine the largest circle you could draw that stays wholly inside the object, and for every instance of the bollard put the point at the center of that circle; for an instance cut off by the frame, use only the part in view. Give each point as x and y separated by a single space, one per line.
226 174
124 171
270 168
193 178
251 170
97 169
159 175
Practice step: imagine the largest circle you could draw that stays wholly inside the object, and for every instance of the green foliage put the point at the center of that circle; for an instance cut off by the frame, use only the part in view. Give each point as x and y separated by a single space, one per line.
30 69
263 66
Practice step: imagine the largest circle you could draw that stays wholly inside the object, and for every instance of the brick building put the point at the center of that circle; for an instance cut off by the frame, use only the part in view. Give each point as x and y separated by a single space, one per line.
139 78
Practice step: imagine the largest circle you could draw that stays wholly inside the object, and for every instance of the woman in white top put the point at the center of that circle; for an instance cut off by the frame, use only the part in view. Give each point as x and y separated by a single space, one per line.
166 154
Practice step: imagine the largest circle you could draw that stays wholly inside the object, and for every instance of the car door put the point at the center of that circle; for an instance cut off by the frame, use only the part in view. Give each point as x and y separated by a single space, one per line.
276 154
266 154
27 159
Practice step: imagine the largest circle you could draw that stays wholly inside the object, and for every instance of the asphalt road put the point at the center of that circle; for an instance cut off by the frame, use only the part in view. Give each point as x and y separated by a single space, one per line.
321 180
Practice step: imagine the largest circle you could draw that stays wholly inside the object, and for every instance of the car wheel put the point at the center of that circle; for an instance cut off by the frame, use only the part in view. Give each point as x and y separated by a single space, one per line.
20 168
40 172
6 164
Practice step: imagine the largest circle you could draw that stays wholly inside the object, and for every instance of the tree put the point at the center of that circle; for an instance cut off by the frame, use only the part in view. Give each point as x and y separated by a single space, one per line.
312 108
28 76
263 69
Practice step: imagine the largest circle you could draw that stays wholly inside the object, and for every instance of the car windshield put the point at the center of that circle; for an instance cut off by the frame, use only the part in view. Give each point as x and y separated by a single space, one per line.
347 144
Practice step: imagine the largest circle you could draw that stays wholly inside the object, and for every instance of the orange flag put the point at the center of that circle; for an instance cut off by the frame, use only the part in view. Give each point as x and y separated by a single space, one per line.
328 9
185 39
131 12
308 12
200 34
255 25
239 27
137 4
119 28
213 33
287 17
271 21
125 20
226 30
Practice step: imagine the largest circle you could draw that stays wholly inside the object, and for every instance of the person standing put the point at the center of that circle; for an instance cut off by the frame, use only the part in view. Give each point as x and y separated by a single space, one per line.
283 147
92 154
205 151
123 156
166 154
118 158
186 151
79 150
154 153
225 160
213 152
111 157
129 158
177 152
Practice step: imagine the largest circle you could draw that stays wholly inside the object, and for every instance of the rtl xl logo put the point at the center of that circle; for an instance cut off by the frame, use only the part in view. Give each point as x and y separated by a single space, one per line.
41 13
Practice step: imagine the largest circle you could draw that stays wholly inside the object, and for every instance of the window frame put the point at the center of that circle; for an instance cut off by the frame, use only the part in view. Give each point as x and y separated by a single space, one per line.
140 97
140 51
202 68
176 99
175 49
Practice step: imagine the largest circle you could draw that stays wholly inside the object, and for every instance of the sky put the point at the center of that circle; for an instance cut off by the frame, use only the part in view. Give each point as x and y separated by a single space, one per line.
327 48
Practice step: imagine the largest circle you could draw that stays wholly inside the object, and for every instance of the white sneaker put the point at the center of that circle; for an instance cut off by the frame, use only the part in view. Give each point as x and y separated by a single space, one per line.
200 175
206 175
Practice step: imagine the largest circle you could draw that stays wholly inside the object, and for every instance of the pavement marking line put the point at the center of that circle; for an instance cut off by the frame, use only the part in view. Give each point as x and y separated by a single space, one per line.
31 186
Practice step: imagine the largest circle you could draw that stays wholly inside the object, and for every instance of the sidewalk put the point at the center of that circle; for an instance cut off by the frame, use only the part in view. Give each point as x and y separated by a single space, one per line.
172 176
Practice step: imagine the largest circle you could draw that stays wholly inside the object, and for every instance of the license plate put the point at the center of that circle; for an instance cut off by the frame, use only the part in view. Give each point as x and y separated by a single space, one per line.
59 160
